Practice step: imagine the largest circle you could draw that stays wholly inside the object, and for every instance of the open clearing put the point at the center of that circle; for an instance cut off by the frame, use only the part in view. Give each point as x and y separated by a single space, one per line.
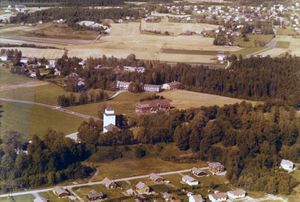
40 52
176 28
123 40
183 99
31 120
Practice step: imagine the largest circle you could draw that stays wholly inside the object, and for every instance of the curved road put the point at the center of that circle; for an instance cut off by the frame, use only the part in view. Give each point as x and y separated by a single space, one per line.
58 108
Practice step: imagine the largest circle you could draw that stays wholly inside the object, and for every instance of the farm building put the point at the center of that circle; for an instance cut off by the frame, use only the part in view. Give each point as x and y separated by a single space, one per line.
287 165
236 194
142 188
218 197
21 8
152 88
152 106
189 180
94 195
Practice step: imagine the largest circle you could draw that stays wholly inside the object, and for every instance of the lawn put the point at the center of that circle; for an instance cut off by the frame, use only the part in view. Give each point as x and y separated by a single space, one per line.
289 32
255 40
123 104
283 44
52 197
123 167
7 78
30 119
195 99
44 94
248 51
112 194
23 198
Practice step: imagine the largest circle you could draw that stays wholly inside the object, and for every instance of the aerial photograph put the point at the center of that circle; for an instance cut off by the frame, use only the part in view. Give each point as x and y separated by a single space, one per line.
150 100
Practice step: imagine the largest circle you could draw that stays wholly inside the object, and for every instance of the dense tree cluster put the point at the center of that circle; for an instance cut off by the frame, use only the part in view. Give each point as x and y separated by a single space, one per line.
72 15
251 78
84 98
48 161
249 140
72 2
12 54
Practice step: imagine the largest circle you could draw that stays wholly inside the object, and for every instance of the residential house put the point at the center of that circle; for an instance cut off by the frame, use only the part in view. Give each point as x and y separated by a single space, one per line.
142 188
24 60
166 196
199 172
216 168
21 8
3 58
51 64
152 88
130 192
156 178
287 165
152 106
218 197
94 195
109 184
236 194
123 85
195 197
189 180
61 192
40 199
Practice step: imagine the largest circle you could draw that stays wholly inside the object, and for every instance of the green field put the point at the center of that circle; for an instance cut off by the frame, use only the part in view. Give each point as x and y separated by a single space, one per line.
30 119
122 104
8 78
112 194
282 44
24 198
44 94
53 198
289 32
250 50
255 40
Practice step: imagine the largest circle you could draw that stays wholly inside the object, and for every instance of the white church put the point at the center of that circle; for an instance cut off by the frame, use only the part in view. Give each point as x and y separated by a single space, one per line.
109 120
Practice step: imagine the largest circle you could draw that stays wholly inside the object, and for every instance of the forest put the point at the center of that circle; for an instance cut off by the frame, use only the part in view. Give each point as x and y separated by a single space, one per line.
252 78
72 15
249 140
71 2
40 162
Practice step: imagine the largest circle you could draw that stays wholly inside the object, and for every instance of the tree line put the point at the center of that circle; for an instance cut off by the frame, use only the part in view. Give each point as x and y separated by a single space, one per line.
72 15
70 2
46 161
84 98
251 78
249 140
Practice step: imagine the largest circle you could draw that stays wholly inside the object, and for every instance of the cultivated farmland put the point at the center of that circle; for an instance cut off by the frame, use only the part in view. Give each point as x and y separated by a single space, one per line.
183 99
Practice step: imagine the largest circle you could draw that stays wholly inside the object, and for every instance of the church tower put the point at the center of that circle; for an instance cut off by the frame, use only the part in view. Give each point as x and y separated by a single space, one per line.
109 119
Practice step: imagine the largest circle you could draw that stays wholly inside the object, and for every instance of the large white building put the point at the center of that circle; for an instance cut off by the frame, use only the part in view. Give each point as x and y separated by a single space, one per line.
109 119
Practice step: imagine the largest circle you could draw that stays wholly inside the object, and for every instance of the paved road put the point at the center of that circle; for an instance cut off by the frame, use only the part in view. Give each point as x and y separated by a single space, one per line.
53 107
34 192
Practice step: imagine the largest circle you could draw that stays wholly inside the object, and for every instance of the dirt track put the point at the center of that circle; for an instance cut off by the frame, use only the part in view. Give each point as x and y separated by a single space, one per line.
28 84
